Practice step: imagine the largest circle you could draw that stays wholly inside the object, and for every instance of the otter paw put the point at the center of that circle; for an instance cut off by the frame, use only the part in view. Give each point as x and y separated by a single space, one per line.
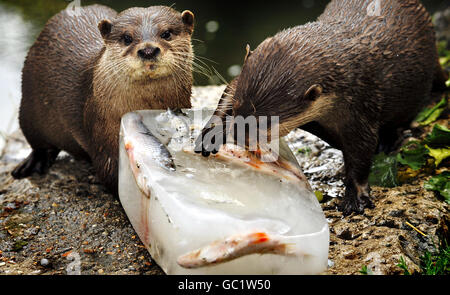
37 162
356 204
206 143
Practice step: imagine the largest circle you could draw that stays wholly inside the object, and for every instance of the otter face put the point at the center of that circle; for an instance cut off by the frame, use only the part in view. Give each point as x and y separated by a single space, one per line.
149 43
272 84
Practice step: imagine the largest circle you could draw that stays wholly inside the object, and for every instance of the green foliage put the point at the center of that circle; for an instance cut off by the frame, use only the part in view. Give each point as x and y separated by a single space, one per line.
439 137
440 184
442 49
384 171
439 155
438 143
319 196
428 116
402 265
413 159
414 155
436 264
19 245
366 271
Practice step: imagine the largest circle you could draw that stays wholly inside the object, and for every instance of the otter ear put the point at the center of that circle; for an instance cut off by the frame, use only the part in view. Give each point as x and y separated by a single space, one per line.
248 54
105 27
313 92
188 19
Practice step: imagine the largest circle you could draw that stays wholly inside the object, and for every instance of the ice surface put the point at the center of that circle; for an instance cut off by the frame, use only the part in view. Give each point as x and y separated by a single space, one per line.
208 200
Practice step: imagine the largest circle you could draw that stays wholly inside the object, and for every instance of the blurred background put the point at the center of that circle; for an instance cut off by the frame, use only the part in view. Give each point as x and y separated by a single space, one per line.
223 28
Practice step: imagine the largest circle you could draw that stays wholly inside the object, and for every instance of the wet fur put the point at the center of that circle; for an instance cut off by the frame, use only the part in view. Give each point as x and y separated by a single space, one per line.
374 73
77 85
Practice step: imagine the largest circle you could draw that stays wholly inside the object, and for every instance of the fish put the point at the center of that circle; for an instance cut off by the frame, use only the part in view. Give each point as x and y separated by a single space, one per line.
232 213
234 247
144 150
240 156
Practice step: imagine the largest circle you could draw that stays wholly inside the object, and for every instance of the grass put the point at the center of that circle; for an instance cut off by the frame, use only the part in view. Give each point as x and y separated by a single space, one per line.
403 266
436 264
366 271
431 264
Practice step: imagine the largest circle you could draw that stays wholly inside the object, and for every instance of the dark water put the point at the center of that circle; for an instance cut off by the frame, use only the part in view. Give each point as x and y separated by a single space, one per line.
223 28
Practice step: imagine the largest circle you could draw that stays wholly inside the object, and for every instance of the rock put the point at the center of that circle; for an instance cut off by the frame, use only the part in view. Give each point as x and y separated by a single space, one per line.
45 262
345 234
376 239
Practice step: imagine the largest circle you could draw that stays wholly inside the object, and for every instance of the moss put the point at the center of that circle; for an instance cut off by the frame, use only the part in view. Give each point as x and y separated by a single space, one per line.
18 245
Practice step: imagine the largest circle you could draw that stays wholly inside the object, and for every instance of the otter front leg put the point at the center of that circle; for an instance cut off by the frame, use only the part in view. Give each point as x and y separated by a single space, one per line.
358 158
214 134
39 161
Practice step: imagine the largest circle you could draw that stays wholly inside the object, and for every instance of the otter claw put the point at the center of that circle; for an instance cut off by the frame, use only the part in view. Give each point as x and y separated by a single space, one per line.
355 204
205 148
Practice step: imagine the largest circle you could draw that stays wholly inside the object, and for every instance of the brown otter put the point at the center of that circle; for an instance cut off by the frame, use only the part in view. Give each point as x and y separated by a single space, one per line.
86 70
352 77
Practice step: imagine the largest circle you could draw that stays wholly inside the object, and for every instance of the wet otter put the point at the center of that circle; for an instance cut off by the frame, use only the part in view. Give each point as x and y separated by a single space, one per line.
352 78
86 70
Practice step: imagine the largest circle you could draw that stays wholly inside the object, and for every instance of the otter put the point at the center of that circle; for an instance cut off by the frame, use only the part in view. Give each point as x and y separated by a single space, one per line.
87 69
353 77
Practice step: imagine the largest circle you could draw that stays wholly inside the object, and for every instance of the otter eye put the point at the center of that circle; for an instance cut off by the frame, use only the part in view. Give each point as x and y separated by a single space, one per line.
127 39
166 35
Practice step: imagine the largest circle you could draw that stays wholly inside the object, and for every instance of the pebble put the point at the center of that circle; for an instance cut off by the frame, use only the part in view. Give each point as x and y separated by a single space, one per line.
345 234
10 207
330 263
45 262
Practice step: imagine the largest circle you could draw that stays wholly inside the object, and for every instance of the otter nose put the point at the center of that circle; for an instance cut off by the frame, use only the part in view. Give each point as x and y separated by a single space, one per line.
149 52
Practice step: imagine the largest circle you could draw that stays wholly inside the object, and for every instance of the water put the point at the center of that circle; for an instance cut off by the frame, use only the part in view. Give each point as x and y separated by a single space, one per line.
223 29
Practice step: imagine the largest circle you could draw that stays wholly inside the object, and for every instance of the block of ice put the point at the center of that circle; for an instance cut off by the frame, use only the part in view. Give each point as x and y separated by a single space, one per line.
228 214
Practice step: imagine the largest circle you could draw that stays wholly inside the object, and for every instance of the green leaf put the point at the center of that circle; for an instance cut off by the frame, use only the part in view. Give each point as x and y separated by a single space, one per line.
440 184
433 117
384 171
439 137
414 155
444 60
439 154
428 116
442 49
366 271
437 263
319 196
402 264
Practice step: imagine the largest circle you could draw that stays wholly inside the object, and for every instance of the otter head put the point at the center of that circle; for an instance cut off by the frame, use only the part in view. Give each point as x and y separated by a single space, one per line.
278 81
149 43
